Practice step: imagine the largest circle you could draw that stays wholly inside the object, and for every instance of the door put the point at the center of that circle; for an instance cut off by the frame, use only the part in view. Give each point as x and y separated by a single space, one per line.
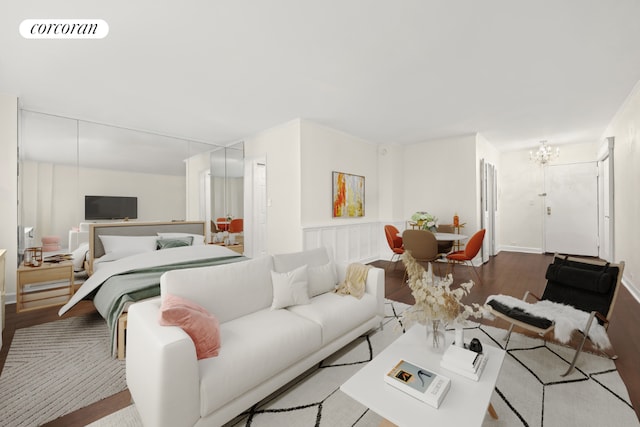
255 243
488 208
571 209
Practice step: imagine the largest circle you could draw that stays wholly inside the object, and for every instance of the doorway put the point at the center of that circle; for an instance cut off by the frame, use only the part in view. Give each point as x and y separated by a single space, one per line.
489 207
571 209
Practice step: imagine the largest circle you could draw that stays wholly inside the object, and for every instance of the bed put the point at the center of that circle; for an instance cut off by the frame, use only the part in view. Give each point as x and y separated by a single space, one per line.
125 262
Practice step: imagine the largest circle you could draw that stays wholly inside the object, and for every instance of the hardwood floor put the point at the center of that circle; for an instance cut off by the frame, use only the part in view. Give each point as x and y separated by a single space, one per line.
507 273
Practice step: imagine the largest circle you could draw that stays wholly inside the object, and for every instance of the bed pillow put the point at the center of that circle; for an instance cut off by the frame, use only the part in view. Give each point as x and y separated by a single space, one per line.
176 242
134 244
290 288
198 239
78 256
200 325
322 279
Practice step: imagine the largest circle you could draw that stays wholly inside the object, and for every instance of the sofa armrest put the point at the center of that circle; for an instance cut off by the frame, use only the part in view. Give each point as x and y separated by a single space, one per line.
161 369
374 284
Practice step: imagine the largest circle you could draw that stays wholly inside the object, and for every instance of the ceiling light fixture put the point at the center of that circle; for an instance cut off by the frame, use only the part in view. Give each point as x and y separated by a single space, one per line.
544 154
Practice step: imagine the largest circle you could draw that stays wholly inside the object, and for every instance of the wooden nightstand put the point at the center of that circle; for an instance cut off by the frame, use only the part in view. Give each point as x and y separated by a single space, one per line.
44 296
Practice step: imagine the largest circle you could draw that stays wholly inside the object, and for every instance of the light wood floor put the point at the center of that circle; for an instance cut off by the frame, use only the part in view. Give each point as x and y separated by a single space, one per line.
507 273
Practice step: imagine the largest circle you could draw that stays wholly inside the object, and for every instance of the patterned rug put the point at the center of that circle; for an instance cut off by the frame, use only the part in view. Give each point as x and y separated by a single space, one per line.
529 391
56 368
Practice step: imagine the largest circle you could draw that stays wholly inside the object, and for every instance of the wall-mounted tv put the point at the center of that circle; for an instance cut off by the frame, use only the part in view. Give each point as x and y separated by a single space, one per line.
110 207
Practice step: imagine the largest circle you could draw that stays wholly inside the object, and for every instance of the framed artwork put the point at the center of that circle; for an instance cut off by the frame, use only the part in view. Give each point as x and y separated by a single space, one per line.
348 195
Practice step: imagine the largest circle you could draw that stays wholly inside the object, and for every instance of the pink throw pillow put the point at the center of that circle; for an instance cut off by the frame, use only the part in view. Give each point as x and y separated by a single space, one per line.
201 326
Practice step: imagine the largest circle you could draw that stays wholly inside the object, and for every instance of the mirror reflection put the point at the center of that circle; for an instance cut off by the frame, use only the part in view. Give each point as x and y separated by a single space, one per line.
62 160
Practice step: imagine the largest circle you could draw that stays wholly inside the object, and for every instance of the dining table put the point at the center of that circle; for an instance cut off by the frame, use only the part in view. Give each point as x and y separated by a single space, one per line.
446 237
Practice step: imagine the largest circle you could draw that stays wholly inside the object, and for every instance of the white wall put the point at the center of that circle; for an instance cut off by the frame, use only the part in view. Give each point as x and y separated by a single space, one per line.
440 177
324 150
625 127
53 195
520 181
9 186
280 146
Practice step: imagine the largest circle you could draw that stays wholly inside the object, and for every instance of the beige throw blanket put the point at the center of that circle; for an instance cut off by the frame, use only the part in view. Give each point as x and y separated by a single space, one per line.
355 280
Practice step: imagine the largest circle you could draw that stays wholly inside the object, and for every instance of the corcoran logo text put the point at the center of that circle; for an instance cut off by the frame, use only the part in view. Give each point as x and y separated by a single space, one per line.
64 28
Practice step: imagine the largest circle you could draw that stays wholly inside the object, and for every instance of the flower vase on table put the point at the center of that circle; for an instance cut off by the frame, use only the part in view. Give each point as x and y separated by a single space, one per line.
436 303
435 334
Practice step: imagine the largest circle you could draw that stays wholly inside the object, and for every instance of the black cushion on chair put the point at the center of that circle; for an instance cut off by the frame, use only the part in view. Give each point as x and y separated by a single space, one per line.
519 314
584 286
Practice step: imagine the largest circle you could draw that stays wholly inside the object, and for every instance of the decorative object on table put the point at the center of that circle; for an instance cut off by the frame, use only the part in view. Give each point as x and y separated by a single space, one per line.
348 195
425 221
418 382
436 303
465 362
50 243
544 154
33 257
456 220
58 258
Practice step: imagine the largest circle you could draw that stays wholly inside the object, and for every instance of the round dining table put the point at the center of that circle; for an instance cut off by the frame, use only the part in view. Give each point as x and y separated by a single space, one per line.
449 237
446 237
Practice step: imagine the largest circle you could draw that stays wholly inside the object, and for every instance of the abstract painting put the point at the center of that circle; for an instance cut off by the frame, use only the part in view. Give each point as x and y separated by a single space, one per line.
348 195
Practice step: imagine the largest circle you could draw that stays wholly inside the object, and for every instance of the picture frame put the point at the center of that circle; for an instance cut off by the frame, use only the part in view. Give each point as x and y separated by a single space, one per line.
348 199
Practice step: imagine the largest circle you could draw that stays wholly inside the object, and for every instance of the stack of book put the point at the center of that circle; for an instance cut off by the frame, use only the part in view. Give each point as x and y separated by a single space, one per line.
464 362
419 382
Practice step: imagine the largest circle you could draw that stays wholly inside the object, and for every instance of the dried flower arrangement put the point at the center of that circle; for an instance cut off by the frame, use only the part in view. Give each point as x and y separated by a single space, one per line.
435 300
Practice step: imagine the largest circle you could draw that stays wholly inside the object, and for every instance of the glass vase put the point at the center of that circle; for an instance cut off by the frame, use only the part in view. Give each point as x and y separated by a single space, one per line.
435 334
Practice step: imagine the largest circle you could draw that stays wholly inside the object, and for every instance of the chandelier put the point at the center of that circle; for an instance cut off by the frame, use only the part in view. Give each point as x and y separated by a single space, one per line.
544 154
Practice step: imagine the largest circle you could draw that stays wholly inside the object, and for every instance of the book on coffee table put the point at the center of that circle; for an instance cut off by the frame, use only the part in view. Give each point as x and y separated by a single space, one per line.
464 362
423 384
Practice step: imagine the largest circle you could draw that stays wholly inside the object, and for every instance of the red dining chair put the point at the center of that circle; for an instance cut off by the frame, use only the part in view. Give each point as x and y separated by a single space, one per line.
469 252
395 242
236 225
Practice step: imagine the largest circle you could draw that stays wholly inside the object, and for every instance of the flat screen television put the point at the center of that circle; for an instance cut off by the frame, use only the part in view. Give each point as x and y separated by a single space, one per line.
110 207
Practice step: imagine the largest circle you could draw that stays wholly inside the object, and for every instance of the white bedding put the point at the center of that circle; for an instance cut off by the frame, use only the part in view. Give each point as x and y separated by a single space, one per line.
144 260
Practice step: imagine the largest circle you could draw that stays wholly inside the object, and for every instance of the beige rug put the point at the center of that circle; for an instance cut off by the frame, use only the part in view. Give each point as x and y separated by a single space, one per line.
56 368
529 391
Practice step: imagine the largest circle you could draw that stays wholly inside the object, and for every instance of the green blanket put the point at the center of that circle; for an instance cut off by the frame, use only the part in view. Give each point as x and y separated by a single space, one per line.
135 285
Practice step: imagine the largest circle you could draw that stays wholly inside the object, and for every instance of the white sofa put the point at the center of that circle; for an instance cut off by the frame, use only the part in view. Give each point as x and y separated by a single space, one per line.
262 349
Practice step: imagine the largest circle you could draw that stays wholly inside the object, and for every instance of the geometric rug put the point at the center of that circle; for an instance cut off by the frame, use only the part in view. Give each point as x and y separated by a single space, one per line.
55 368
529 390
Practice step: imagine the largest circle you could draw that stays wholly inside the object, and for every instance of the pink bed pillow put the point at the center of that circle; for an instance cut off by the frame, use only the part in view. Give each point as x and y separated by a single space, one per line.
200 325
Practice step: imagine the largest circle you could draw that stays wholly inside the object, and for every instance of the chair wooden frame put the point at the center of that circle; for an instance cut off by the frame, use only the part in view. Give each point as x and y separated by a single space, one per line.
604 318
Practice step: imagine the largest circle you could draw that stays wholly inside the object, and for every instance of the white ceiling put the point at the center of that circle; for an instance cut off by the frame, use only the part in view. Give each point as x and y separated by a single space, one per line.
387 71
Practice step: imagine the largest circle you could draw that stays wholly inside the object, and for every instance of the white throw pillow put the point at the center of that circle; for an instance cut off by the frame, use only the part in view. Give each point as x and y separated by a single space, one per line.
290 288
135 244
198 239
322 279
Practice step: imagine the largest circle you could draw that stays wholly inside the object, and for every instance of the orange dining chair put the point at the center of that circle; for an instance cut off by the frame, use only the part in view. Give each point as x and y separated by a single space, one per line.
469 252
422 245
394 241
236 225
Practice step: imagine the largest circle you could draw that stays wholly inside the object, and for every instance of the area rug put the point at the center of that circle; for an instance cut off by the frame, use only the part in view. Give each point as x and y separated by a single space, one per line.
529 391
56 368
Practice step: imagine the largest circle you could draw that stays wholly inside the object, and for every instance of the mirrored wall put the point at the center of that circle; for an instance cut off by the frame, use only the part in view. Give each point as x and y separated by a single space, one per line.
62 160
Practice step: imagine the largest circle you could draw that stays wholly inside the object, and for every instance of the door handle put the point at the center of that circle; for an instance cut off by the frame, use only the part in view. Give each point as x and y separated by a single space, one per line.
548 210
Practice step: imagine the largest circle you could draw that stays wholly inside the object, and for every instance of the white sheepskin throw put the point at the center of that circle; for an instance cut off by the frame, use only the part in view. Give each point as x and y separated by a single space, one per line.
566 318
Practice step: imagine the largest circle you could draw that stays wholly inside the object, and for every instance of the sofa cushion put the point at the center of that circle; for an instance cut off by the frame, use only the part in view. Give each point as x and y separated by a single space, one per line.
312 258
201 326
256 347
228 290
322 278
290 288
337 314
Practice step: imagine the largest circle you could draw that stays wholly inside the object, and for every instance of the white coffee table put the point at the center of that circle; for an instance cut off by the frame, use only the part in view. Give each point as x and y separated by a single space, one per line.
465 404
